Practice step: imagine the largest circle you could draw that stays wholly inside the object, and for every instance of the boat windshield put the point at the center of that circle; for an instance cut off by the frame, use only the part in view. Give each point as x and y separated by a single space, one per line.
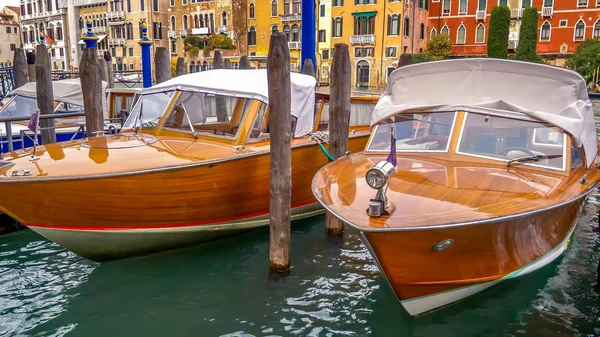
214 115
20 106
148 110
424 132
509 139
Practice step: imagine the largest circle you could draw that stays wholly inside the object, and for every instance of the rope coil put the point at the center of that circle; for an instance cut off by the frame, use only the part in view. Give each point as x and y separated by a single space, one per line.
322 138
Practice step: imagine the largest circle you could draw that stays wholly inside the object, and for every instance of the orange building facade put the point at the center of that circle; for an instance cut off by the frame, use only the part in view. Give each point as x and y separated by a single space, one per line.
562 24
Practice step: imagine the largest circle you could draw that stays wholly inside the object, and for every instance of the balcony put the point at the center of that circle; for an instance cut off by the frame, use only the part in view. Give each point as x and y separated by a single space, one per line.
295 45
223 29
513 44
362 39
480 15
78 3
198 31
516 13
172 34
183 32
97 30
28 46
291 17
115 15
547 12
117 41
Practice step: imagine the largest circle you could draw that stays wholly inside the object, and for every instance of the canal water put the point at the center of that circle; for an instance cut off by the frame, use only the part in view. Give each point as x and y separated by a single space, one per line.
223 289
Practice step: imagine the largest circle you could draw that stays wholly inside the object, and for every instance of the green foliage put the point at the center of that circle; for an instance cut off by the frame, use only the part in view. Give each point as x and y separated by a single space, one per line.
193 44
439 47
420 58
528 36
498 32
173 67
586 58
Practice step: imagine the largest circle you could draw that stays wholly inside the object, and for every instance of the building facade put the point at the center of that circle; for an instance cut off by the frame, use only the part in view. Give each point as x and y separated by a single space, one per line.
49 17
324 47
562 25
415 27
10 33
373 31
78 12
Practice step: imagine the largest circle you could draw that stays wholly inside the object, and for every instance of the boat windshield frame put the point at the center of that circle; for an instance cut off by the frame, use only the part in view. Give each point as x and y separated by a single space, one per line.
398 150
526 119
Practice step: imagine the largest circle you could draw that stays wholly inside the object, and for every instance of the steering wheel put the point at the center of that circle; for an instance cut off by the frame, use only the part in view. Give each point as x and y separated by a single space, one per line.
516 148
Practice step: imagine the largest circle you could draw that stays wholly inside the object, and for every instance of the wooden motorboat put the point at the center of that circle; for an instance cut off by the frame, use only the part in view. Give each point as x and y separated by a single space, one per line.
191 164
479 183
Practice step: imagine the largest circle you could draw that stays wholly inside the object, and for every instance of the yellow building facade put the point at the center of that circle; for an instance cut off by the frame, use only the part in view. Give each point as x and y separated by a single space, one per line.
373 31
324 45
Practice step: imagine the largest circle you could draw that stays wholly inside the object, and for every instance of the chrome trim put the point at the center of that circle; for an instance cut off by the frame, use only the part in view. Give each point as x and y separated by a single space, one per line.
468 223
457 150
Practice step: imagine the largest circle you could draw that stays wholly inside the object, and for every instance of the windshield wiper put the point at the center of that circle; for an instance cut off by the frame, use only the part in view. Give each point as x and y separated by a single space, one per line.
535 157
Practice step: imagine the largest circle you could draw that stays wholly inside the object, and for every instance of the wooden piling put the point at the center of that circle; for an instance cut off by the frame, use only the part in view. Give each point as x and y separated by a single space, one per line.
180 67
226 64
31 66
90 76
103 69
221 104
44 92
109 68
278 75
339 117
244 62
308 68
20 68
405 59
162 64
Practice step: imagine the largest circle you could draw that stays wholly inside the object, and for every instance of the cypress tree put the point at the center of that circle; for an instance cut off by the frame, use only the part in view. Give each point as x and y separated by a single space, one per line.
498 32
528 36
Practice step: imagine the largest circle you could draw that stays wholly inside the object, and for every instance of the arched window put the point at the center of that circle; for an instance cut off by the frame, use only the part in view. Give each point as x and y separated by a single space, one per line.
192 67
286 7
480 34
433 33
394 24
252 37
206 24
545 31
59 32
81 24
445 30
461 35
363 73
224 18
580 30
274 8
337 27
295 33
202 25
172 22
596 29
212 23
196 22
274 29
286 30
185 22
251 11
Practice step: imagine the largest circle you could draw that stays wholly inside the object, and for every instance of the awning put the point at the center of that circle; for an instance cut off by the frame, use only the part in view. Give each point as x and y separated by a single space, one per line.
100 38
364 14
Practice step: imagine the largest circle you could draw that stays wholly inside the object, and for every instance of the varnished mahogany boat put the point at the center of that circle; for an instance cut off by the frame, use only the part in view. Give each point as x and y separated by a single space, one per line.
491 173
190 164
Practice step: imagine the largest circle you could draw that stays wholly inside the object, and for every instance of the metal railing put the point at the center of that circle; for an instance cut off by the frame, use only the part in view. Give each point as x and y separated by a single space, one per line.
362 39
480 15
547 11
7 81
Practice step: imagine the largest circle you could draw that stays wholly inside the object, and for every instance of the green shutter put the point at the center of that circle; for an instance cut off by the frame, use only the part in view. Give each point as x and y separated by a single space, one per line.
341 24
389 25
426 5
342 3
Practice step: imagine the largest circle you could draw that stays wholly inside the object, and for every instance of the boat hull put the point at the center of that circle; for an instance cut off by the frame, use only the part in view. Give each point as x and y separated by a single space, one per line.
481 255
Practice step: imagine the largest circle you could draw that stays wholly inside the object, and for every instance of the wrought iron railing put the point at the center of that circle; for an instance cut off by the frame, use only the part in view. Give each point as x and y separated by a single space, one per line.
7 81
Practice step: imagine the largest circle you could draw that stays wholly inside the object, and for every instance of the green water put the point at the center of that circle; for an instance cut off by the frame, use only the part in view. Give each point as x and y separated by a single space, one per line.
223 289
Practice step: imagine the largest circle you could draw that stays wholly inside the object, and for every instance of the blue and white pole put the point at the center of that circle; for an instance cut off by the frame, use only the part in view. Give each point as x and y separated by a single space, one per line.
90 39
309 32
146 63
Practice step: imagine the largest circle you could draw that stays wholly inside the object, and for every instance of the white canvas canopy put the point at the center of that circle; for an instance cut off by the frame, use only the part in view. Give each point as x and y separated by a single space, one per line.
68 90
554 95
249 84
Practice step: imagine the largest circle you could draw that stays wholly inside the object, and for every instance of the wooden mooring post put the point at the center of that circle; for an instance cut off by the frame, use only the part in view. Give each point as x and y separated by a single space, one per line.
180 67
244 62
162 64
44 90
31 66
109 68
20 68
90 73
103 69
339 117
308 68
221 104
405 59
278 75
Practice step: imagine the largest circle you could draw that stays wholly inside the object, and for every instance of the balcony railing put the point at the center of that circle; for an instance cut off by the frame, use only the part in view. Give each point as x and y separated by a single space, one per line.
516 13
172 33
117 41
295 45
78 3
513 44
547 12
291 17
362 39
115 15
223 29
480 15
99 29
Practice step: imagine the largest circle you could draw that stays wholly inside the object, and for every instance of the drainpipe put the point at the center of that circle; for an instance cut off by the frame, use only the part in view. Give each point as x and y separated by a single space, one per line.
383 33
412 42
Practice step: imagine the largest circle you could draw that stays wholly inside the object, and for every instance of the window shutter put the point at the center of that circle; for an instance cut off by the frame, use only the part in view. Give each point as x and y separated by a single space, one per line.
333 28
341 3
341 24
389 25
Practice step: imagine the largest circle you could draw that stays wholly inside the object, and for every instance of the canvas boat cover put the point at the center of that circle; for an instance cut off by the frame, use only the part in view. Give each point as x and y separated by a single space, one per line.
68 90
249 84
517 89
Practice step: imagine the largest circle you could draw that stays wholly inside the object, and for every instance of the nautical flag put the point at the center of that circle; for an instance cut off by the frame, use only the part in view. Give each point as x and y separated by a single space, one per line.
37 39
49 40
34 121
392 156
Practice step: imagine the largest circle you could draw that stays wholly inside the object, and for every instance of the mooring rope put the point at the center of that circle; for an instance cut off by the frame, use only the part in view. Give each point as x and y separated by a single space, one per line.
321 137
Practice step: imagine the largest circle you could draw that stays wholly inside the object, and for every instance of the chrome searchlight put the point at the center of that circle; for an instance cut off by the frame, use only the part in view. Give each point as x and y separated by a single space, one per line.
377 178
